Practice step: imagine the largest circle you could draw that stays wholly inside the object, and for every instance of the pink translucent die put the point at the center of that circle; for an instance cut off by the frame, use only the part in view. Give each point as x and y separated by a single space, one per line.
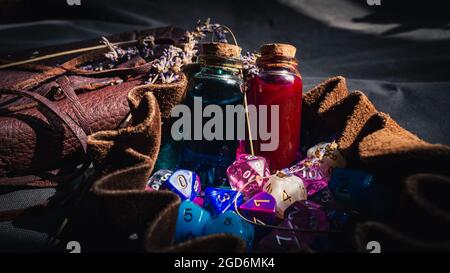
248 168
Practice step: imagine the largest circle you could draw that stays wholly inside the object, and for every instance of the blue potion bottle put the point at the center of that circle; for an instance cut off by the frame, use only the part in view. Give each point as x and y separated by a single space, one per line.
217 84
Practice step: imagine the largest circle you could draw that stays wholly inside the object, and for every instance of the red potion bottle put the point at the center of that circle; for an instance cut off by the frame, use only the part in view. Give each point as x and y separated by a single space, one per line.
278 83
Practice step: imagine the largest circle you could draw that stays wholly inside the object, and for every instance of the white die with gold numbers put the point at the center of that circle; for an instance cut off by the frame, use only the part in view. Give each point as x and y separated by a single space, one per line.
286 189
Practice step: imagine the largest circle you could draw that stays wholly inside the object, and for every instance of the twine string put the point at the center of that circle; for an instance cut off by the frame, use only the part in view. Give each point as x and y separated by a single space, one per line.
258 222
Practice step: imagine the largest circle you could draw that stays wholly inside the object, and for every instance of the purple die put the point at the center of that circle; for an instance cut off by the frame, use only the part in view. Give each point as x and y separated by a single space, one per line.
310 172
260 208
184 183
280 240
246 168
307 215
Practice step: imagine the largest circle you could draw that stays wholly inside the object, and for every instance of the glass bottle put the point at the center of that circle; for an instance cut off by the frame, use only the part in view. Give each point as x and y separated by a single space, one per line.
278 83
218 82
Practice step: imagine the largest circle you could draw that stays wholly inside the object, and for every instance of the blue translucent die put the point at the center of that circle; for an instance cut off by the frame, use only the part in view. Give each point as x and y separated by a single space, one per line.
359 190
191 221
220 200
157 180
184 183
229 222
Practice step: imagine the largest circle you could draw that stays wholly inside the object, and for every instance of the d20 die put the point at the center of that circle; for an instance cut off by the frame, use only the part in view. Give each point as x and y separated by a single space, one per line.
310 172
307 215
280 240
184 183
191 221
260 208
220 200
229 222
157 180
248 168
286 189
329 156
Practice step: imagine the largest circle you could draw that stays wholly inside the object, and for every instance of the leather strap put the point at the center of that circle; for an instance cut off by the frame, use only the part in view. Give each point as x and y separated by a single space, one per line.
73 127
83 119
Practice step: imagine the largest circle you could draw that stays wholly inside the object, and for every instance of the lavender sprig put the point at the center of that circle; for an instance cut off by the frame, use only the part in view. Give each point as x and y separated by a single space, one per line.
167 66
249 63
173 58
202 28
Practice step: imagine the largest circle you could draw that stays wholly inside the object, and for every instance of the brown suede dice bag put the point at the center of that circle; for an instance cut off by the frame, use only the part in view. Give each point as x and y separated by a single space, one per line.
124 156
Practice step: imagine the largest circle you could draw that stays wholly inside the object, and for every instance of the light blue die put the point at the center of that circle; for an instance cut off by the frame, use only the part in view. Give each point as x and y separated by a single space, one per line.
229 222
191 221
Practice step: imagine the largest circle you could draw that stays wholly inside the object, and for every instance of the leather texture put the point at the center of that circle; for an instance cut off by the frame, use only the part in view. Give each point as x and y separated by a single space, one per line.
35 140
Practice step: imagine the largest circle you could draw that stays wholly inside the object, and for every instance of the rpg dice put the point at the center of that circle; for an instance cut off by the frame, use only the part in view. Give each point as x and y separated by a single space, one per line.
191 221
199 201
184 183
229 222
248 168
307 215
260 208
219 200
324 198
156 181
311 174
329 157
281 240
286 189
359 190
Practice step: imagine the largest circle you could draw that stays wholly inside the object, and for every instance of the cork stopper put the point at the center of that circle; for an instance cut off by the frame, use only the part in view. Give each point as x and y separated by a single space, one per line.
284 50
221 50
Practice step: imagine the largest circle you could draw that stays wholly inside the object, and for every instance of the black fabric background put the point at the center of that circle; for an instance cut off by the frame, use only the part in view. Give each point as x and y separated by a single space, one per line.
397 53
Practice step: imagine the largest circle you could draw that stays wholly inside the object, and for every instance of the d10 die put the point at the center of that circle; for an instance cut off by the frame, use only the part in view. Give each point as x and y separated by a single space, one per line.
191 221
157 180
260 208
329 156
247 168
184 183
220 200
286 189
229 222
310 172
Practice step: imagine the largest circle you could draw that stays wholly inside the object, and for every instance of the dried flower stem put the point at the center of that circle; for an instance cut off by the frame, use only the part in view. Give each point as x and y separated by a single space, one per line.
63 53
